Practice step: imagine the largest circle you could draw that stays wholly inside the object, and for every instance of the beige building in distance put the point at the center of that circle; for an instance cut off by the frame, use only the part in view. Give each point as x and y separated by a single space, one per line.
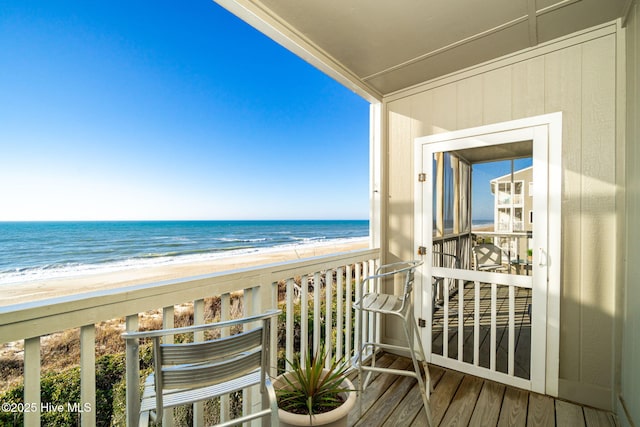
513 211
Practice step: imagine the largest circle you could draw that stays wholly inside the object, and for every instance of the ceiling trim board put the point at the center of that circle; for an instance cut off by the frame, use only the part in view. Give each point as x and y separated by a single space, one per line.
448 47
559 5
545 48
268 23
533 22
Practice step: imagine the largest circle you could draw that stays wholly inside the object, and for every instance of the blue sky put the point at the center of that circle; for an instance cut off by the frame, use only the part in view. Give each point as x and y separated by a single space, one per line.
174 110
169 110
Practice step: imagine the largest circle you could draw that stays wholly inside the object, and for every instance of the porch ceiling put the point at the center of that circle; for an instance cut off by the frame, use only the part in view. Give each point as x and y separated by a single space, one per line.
492 153
382 46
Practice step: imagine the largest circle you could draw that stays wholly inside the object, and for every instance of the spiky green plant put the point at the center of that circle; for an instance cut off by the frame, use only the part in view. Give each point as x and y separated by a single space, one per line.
311 388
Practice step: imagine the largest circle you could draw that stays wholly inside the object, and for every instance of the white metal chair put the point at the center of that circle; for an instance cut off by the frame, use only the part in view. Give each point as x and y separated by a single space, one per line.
189 372
394 305
488 257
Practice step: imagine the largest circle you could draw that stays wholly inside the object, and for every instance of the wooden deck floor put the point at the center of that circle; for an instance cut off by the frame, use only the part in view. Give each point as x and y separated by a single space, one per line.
461 400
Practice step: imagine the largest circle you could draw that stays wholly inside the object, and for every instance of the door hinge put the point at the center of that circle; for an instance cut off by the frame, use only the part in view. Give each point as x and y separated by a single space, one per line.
422 250
422 177
422 323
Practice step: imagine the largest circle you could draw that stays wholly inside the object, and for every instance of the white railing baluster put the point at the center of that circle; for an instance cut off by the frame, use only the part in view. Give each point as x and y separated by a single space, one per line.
512 322
357 342
494 294
289 325
198 319
460 318
225 314
476 324
316 310
339 312
304 315
133 372
251 305
88 375
328 323
445 320
168 322
289 322
32 381
348 312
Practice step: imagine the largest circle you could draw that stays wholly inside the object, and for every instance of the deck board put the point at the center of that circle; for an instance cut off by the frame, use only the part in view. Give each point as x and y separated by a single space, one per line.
459 399
514 408
487 409
463 403
443 394
389 400
593 418
541 411
569 414
405 413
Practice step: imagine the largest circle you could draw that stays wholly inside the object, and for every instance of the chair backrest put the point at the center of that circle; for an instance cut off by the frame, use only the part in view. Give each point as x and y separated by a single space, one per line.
405 268
487 254
194 365
199 364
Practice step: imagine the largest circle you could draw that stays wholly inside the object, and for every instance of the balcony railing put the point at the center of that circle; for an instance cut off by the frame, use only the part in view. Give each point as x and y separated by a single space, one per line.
310 284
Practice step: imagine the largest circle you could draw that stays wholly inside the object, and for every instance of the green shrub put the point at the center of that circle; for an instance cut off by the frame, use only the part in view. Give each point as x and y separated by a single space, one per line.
60 395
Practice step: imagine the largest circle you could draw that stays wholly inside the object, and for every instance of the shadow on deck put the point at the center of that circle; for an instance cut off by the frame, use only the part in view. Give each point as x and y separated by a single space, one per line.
461 400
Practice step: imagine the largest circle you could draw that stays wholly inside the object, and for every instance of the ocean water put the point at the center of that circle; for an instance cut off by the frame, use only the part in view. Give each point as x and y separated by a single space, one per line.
42 250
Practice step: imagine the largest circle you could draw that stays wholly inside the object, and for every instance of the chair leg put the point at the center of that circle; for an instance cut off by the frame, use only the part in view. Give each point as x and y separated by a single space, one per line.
144 419
270 401
411 331
372 345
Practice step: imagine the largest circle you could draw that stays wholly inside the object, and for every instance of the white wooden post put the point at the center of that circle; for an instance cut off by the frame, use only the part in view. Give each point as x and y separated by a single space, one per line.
32 381
304 314
88 375
339 312
198 319
328 327
133 373
289 322
168 322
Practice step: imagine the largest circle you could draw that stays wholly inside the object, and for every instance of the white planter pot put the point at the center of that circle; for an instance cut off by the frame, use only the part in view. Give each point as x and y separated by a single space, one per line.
334 418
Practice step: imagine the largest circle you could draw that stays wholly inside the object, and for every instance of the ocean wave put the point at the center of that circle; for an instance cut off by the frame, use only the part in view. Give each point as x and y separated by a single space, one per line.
232 239
69 269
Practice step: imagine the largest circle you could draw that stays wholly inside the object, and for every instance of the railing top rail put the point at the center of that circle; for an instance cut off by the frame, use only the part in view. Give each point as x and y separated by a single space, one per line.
483 276
503 233
46 316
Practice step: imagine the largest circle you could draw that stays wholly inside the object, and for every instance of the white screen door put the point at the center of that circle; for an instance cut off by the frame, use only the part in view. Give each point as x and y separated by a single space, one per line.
488 308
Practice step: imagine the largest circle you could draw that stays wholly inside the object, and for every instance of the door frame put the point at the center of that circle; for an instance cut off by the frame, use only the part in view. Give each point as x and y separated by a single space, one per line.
547 255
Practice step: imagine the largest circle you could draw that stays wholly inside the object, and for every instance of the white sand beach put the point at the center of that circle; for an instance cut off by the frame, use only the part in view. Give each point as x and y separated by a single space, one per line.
44 289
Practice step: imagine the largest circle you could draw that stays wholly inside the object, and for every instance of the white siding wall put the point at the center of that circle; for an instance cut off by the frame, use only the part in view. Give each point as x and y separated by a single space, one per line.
577 76
630 390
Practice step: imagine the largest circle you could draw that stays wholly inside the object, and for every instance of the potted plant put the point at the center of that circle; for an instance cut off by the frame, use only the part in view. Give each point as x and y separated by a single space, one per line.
311 394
